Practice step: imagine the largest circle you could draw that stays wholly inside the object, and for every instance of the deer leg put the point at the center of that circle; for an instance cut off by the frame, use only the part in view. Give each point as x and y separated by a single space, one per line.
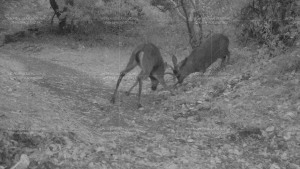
140 90
135 83
228 57
142 76
154 82
223 62
122 74
117 86
163 83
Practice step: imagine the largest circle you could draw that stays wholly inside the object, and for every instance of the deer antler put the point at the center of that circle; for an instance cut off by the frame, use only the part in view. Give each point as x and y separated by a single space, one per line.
169 73
171 67
175 84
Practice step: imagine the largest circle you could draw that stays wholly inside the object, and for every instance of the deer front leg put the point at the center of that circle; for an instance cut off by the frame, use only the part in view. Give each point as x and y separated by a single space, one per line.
135 83
140 81
113 99
122 74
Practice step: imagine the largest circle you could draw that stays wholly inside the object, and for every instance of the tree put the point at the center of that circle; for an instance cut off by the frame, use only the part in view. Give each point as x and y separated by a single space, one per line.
61 15
192 12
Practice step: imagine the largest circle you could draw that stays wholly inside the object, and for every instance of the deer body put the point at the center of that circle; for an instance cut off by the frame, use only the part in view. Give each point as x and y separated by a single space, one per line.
202 57
148 58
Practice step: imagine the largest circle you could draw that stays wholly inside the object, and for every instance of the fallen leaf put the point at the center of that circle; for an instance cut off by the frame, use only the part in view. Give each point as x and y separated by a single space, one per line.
171 166
284 156
100 149
274 166
48 152
75 153
287 135
269 129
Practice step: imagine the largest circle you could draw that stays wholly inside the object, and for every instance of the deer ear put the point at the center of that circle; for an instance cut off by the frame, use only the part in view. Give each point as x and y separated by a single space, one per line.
174 60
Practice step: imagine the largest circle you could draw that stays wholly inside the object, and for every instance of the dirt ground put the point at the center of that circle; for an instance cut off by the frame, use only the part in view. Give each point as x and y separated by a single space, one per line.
56 85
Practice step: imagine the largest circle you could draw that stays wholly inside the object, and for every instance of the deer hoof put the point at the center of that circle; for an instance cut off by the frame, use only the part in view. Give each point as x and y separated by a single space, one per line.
140 107
112 101
127 93
172 93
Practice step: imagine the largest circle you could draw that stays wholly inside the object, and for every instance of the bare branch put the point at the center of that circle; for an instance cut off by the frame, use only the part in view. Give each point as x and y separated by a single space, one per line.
193 3
52 18
161 9
177 9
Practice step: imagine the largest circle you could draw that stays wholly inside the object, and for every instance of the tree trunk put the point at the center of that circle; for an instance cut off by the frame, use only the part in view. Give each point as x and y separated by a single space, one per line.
61 15
194 26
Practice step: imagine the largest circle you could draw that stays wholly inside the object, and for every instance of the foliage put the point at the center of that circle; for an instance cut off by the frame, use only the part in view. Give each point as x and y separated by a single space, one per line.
273 24
109 13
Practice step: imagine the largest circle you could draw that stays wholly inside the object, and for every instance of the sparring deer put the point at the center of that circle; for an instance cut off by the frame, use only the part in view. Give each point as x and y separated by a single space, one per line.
148 58
202 57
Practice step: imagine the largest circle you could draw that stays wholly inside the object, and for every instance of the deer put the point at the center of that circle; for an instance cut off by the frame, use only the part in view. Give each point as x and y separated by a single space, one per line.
148 58
202 57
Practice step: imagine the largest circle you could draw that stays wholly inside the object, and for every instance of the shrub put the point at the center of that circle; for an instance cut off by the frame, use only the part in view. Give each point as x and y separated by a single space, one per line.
269 22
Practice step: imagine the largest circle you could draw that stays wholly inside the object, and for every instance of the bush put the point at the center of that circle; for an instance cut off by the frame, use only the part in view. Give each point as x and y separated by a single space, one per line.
269 22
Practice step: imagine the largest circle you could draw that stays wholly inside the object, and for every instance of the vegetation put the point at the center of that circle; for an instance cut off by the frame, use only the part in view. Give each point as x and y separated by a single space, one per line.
272 23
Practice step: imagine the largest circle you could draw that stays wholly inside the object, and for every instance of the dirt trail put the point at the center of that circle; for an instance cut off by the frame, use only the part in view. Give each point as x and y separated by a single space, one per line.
91 97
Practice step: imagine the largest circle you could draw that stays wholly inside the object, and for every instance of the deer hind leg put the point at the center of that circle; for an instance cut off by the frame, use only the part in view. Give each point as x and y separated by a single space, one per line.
228 57
225 58
142 76
142 73
129 67
223 62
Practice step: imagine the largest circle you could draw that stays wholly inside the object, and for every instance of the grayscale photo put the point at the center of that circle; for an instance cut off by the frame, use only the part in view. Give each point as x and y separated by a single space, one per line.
150 84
